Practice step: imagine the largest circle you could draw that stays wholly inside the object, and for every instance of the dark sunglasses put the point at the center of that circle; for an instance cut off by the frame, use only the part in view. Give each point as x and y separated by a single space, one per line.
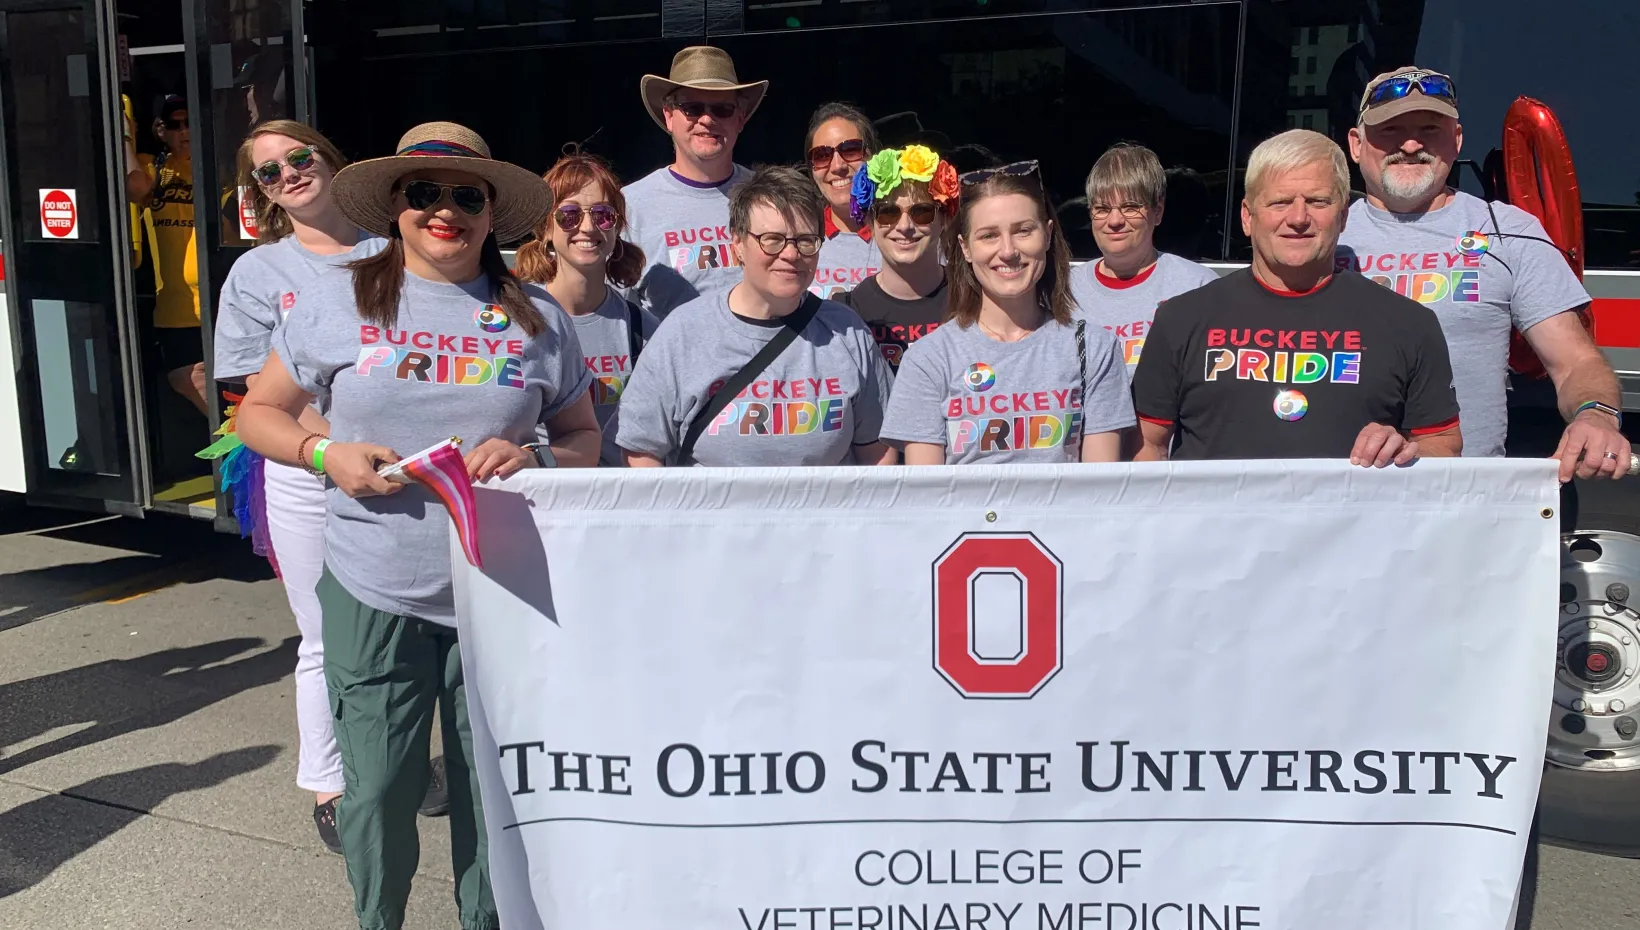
1016 169
175 124
773 243
424 195
853 152
269 173
1430 85
888 214
568 217
695 110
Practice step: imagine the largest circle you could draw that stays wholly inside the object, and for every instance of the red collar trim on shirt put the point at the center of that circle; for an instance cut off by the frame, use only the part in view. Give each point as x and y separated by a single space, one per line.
1112 281
1283 292
832 229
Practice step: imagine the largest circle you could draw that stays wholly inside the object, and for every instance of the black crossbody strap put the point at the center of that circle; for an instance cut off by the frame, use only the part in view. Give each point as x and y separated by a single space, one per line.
795 324
1082 357
634 333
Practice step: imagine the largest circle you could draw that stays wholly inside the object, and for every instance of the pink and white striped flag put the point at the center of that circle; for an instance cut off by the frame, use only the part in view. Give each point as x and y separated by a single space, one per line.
442 470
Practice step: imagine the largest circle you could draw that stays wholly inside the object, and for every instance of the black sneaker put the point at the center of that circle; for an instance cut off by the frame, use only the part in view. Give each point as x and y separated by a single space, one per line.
437 801
324 817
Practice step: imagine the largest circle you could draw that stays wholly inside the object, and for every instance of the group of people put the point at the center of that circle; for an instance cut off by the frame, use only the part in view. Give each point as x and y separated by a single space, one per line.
710 314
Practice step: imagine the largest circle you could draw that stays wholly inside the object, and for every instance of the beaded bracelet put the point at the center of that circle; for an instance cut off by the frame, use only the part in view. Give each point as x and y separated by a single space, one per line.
301 455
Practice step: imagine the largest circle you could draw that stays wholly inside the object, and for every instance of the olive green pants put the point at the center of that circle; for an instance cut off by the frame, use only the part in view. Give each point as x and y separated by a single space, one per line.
385 673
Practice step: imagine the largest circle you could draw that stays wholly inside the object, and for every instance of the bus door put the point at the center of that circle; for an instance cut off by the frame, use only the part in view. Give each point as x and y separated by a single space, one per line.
67 250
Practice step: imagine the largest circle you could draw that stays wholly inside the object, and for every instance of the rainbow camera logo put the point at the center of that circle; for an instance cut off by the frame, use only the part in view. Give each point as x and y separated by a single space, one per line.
980 377
491 318
1291 405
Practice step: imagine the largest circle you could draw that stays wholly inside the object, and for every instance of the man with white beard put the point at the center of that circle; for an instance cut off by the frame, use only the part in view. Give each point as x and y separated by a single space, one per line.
1482 268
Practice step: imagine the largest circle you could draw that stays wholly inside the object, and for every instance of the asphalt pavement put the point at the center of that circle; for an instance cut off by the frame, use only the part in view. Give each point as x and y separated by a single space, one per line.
148 747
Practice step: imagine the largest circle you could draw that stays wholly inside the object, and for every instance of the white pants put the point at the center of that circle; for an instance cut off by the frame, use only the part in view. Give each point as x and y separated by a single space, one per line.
296 528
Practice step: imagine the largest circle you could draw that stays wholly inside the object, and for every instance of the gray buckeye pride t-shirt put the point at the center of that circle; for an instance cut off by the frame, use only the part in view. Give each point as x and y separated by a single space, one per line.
822 396
1126 308
683 229
846 261
606 342
454 364
1477 295
1002 403
260 290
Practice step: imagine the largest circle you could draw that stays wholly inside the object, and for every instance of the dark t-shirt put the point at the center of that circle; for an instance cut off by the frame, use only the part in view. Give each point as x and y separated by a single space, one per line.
896 323
1244 372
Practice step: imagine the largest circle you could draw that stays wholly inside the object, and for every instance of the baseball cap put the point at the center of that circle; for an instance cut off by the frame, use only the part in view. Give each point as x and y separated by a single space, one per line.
166 104
1412 100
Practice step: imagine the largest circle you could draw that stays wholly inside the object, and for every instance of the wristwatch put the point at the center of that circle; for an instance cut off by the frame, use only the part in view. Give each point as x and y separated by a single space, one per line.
1603 408
543 454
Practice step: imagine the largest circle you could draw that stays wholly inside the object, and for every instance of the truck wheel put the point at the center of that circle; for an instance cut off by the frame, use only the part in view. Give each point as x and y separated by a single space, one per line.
1591 788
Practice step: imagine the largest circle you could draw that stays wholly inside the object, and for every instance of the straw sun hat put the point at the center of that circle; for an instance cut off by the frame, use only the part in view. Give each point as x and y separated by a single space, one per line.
364 189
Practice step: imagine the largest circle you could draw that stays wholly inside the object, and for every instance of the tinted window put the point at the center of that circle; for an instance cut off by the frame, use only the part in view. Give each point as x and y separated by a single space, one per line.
1494 58
1058 87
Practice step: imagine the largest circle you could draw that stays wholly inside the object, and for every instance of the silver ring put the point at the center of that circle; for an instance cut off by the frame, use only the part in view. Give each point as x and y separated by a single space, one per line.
1634 464
1612 456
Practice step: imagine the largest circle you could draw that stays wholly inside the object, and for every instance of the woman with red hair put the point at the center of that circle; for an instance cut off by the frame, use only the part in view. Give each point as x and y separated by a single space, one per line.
577 254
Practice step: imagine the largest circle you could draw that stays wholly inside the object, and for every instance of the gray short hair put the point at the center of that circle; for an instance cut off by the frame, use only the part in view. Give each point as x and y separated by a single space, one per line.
788 190
1294 149
1127 168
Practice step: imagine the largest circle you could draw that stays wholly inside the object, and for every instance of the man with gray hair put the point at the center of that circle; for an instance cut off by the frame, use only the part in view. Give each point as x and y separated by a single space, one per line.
1482 268
1288 359
1127 191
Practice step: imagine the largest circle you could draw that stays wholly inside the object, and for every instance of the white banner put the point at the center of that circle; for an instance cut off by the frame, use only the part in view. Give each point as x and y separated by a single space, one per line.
1217 696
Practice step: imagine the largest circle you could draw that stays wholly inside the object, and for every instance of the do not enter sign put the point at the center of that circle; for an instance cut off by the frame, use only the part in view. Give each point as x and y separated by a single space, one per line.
59 216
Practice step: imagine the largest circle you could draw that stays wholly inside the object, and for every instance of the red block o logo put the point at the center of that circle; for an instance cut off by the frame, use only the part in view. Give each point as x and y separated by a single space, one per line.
1041 581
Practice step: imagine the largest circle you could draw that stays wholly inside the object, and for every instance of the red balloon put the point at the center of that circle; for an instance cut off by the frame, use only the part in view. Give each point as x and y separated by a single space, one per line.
1538 175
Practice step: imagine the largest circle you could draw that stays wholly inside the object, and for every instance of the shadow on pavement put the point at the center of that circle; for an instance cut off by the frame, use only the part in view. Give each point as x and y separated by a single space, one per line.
123 696
40 836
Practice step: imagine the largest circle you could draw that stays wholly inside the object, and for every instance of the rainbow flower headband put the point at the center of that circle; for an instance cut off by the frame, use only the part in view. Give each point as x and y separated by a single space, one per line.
879 176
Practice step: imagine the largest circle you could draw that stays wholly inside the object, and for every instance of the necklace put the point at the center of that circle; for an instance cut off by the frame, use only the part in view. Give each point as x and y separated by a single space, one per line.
1001 338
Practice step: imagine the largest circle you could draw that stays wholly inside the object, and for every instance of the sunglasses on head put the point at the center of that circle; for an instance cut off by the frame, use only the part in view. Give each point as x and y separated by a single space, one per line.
568 216
853 152
270 173
695 110
888 214
424 195
1016 169
1430 85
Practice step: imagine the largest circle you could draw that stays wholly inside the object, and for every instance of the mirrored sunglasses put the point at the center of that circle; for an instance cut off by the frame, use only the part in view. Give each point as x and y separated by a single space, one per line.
269 173
568 217
1430 85
424 195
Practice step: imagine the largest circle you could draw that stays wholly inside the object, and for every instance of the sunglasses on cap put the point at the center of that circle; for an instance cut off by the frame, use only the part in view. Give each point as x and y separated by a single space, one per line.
1430 85
695 110
888 214
424 195
1014 170
568 216
270 173
853 152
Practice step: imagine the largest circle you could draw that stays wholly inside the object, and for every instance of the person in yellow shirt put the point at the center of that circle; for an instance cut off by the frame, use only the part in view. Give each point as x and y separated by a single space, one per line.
164 187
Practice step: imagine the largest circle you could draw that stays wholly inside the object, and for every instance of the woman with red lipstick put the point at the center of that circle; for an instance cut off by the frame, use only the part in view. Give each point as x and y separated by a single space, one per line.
431 338
577 254
839 140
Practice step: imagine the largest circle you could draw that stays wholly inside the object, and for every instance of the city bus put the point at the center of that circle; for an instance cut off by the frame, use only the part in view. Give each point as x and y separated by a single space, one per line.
88 419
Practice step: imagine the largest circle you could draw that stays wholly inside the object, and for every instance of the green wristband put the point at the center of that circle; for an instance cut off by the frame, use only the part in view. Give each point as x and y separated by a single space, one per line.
319 455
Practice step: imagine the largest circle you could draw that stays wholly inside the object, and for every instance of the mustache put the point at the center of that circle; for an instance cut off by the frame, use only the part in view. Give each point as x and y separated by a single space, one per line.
1415 158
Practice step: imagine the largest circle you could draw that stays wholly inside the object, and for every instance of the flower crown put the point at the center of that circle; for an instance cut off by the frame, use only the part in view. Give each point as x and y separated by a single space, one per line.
879 176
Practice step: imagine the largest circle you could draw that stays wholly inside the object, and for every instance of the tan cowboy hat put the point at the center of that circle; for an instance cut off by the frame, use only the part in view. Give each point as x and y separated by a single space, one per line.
701 67
520 199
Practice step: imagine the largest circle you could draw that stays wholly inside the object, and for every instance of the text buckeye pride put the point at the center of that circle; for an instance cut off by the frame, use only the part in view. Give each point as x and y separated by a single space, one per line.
1187 697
